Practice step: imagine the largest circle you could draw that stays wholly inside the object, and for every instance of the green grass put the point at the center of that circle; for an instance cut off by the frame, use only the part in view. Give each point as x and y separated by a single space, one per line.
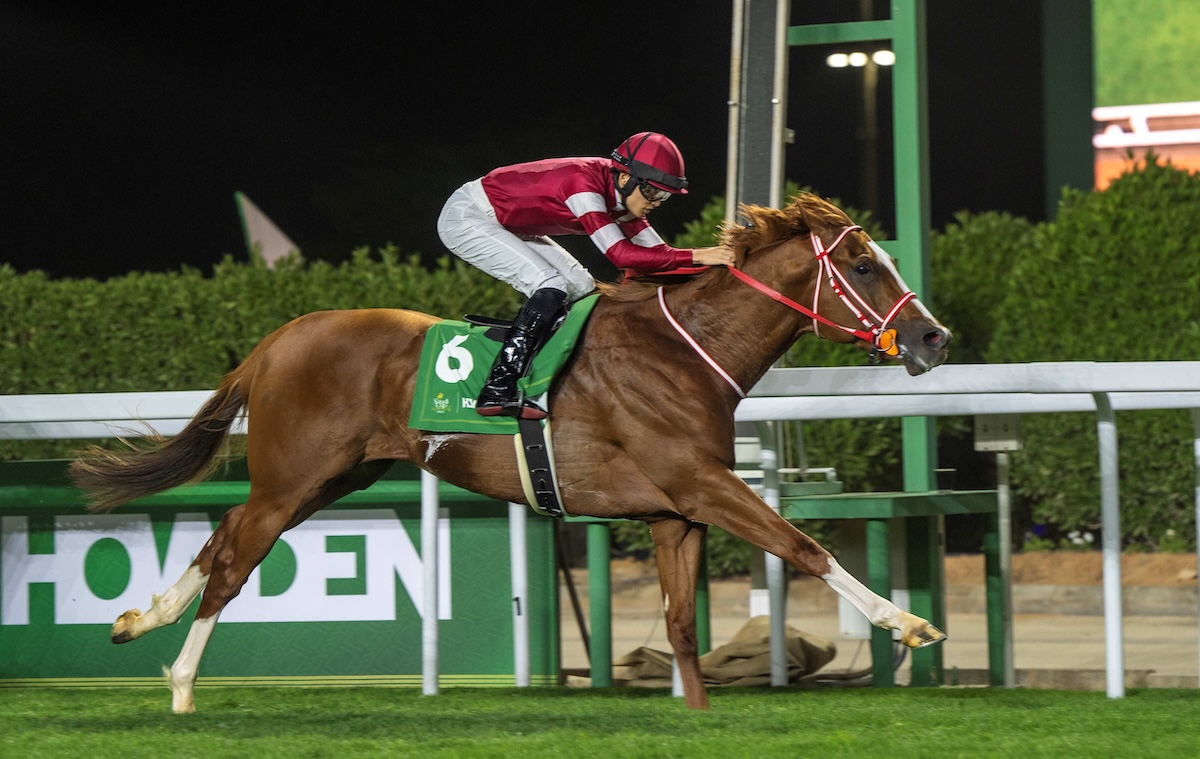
759 723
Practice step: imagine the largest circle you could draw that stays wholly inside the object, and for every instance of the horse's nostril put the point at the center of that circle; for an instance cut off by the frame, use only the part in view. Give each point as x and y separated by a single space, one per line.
937 338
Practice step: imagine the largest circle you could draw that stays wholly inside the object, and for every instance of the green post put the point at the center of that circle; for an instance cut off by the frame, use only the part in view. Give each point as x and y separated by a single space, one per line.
994 589
879 579
926 584
910 139
1067 98
600 603
703 612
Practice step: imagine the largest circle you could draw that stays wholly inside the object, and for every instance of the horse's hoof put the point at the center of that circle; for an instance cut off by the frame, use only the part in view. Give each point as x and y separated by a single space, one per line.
182 701
919 636
122 631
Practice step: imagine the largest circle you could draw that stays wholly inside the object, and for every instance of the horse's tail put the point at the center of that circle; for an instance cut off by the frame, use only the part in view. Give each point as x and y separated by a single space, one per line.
111 478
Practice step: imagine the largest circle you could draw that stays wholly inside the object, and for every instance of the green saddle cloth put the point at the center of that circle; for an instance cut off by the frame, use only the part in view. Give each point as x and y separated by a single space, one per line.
456 360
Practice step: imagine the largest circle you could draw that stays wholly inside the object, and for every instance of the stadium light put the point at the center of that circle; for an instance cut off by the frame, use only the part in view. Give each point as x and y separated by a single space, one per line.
858 59
883 57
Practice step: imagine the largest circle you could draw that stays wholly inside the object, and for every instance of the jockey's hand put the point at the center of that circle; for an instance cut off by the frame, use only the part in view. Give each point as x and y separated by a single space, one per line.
717 256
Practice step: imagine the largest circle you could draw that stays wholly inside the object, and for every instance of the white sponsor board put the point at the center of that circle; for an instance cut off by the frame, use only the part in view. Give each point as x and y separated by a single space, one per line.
388 555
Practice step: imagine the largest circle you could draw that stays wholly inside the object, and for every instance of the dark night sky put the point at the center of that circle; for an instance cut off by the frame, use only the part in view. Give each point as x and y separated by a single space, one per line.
127 127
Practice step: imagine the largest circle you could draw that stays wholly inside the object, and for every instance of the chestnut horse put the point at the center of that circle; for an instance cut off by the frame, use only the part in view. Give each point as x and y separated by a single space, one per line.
644 421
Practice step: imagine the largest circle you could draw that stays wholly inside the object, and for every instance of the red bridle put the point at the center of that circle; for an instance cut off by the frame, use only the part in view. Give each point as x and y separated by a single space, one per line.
877 333
876 330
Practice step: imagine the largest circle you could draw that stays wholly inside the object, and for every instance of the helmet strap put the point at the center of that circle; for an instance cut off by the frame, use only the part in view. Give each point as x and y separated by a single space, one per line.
624 192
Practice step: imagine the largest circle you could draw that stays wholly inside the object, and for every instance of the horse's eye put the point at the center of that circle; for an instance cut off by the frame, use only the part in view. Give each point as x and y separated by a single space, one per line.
862 269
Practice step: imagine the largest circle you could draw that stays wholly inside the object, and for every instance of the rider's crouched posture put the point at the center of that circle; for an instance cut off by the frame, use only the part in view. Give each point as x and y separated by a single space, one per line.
503 223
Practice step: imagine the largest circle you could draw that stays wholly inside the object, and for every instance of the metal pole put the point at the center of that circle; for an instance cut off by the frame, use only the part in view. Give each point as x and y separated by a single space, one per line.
429 571
776 581
779 102
1004 527
1110 517
735 117
519 558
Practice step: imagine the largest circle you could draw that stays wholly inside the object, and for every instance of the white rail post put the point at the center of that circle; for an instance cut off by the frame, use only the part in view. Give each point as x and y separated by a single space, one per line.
520 592
776 579
429 571
1110 517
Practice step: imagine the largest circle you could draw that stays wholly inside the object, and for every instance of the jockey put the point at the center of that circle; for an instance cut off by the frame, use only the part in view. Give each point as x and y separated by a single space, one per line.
503 223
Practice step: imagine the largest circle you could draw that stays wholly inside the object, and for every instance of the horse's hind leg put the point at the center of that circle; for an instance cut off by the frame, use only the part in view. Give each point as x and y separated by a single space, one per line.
181 676
169 607
241 542
164 610
678 545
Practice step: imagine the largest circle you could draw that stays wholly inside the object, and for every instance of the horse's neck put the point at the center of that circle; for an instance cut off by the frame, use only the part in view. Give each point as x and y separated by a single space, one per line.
743 330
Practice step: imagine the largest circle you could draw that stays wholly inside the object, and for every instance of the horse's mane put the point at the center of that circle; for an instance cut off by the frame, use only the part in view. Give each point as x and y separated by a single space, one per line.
764 226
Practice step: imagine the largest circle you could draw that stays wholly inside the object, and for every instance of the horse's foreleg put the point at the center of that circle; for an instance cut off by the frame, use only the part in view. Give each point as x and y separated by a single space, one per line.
724 500
914 631
678 546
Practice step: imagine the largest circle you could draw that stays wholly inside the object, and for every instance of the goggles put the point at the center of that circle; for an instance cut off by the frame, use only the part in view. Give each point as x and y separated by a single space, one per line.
652 193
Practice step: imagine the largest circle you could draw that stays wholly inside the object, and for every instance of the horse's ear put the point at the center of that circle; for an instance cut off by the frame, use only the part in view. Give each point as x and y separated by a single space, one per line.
806 222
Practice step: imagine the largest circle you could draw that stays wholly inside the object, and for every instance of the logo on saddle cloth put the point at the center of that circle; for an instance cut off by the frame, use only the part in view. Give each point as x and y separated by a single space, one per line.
456 360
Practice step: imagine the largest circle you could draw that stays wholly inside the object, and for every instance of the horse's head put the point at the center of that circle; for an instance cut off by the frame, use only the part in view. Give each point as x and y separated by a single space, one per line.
852 290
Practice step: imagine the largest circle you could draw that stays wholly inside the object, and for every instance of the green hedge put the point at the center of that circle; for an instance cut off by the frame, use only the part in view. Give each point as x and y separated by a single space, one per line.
1115 278
183 331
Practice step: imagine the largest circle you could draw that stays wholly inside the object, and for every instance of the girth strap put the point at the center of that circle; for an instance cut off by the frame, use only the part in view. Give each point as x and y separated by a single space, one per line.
536 466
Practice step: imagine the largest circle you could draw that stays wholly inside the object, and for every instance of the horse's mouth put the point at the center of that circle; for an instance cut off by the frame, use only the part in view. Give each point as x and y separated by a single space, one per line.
919 362
921 353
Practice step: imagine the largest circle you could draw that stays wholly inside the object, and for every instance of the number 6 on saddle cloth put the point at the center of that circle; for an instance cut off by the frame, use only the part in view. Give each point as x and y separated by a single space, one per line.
455 361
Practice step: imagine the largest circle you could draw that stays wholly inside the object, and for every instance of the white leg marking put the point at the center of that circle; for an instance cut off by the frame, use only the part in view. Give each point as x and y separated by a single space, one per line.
181 677
170 606
164 610
666 602
880 611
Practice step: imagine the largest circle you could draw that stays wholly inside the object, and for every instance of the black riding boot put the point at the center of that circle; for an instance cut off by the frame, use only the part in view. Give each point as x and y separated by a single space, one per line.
500 394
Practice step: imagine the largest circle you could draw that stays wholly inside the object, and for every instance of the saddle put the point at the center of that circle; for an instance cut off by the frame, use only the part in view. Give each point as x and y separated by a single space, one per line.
455 360
535 454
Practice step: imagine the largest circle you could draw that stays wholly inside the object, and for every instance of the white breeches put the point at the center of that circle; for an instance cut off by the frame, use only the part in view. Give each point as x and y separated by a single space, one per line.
468 227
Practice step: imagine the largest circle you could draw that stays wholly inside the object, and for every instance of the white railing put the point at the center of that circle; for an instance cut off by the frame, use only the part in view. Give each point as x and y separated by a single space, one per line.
788 394
1129 126
955 390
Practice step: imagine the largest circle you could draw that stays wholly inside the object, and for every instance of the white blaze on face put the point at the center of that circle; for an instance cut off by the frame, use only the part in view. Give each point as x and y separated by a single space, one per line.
885 260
